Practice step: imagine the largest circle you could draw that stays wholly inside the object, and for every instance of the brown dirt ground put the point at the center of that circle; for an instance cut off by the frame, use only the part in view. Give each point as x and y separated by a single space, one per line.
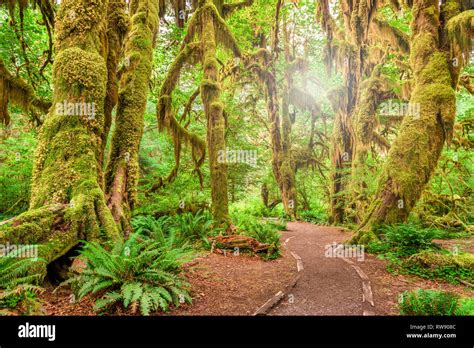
328 285
239 285
221 285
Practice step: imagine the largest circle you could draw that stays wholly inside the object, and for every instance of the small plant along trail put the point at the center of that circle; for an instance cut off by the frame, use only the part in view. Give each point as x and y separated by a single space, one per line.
327 285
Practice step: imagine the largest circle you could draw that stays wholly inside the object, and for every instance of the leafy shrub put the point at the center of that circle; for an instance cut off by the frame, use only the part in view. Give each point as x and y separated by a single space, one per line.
432 302
315 217
177 230
403 239
264 232
410 250
172 202
150 227
137 273
450 267
17 279
428 302
15 271
23 297
191 227
279 225
466 306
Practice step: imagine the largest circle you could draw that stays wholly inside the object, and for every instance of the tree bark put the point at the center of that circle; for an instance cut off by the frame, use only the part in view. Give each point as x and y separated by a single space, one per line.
422 135
67 203
213 108
123 170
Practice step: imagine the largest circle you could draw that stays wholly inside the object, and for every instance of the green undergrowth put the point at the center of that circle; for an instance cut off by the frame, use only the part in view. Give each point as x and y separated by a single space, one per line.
265 231
410 250
19 280
179 230
318 217
139 275
21 299
432 302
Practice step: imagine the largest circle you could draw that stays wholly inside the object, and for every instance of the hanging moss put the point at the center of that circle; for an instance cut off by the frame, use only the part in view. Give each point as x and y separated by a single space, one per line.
394 36
373 91
415 152
118 26
206 30
460 28
16 91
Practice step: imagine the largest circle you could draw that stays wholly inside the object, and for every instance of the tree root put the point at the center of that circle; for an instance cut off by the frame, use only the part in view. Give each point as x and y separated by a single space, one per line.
56 229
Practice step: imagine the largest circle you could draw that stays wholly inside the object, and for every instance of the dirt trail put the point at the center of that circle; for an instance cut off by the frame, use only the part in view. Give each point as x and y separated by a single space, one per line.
327 285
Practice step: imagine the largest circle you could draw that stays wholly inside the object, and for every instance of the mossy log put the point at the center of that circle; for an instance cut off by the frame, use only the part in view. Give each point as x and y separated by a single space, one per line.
240 242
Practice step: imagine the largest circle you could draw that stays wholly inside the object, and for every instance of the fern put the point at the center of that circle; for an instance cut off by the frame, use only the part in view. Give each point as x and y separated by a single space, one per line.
139 273
178 230
20 271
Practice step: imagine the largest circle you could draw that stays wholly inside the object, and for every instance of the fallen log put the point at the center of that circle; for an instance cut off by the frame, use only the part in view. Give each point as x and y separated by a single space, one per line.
241 242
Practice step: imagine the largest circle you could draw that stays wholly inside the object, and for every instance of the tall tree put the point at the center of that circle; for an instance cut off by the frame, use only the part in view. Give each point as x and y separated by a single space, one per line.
122 169
67 202
347 47
441 34
206 30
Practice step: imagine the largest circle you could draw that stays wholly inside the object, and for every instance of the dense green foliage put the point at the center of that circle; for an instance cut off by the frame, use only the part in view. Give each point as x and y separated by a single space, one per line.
431 302
139 273
410 249
171 218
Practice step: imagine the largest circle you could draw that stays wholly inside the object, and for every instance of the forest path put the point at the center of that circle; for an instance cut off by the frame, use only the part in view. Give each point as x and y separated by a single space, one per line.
327 285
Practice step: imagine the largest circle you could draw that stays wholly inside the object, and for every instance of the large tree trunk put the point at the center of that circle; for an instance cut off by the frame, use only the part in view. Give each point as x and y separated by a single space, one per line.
350 56
67 202
123 170
287 167
341 155
118 24
263 64
373 91
214 110
415 152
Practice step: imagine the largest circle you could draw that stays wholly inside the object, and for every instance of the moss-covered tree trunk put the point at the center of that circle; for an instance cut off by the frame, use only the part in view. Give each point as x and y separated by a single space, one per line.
373 91
341 154
123 170
206 29
213 108
287 167
273 112
117 29
416 150
263 63
67 202
350 54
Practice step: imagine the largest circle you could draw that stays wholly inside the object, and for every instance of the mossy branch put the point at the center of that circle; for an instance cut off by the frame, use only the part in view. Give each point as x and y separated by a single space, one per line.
18 92
394 36
460 34
228 9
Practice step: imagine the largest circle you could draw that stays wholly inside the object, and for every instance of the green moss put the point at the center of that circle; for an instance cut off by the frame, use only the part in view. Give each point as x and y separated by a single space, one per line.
123 170
414 154
433 260
67 203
